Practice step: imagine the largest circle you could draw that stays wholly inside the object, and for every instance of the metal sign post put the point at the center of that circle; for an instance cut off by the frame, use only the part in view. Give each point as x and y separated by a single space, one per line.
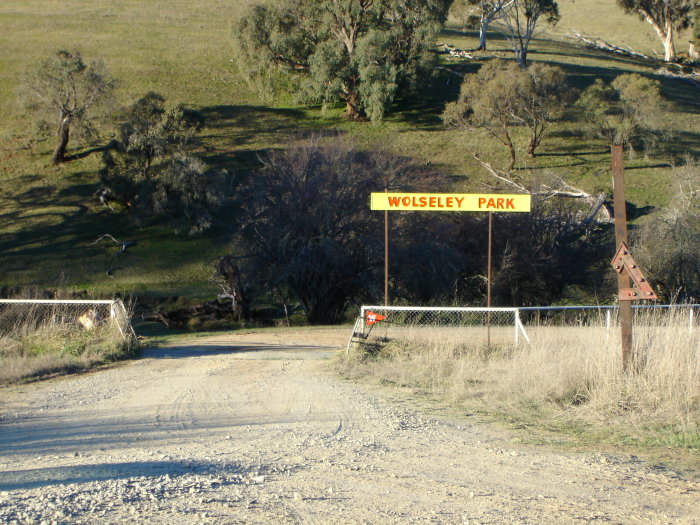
488 282
623 263
623 280
386 256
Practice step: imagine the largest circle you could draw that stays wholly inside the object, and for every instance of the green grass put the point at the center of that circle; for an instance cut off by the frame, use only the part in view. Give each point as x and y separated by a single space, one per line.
183 49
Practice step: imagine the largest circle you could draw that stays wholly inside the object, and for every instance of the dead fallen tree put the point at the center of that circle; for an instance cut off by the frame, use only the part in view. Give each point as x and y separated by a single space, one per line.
601 208
601 45
219 309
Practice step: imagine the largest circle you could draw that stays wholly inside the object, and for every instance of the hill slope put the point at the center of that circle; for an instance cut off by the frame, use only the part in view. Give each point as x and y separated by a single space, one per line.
183 50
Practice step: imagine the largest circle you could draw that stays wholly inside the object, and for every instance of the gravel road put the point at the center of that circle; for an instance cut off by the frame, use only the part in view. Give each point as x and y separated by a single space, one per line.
253 428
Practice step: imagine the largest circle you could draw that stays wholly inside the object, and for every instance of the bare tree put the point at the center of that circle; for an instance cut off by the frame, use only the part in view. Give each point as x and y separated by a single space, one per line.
520 21
669 243
65 86
309 228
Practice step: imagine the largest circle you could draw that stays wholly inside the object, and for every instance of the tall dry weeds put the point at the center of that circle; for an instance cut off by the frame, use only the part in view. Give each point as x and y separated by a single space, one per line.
574 370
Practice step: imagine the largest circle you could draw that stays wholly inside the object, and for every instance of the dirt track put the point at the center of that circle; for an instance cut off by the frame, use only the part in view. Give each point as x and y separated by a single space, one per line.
254 429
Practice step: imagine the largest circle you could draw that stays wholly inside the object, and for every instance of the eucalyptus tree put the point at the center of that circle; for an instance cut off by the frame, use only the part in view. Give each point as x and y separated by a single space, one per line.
360 52
65 88
503 96
487 11
628 108
666 17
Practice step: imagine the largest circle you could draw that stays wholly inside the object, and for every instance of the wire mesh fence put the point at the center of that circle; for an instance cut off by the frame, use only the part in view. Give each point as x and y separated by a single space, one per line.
22 316
677 315
478 325
502 326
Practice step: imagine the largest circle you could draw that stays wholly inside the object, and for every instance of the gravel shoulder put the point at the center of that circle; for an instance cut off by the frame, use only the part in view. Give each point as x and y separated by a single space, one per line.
253 428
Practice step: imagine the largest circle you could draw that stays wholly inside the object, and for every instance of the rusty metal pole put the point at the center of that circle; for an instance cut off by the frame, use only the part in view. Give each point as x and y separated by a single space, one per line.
386 256
488 282
623 278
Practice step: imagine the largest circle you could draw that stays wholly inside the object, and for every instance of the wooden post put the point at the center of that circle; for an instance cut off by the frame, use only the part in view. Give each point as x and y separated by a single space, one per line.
623 279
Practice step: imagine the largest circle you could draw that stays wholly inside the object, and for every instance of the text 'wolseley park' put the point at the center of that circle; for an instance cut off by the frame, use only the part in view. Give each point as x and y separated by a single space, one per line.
450 202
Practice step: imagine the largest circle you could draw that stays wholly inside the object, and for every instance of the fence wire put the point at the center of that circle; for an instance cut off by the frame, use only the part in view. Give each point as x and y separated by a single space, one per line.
478 325
682 316
502 326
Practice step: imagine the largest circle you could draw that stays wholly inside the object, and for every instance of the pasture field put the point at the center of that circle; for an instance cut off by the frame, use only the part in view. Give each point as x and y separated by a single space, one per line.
183 50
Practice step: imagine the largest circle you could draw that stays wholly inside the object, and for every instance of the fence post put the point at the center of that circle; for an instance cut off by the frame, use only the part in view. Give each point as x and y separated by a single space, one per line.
690 320
607 319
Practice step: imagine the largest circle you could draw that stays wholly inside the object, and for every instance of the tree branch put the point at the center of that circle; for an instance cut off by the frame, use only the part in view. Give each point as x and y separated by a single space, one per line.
561 189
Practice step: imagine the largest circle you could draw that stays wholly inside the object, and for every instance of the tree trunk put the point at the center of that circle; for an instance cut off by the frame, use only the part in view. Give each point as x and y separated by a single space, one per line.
521 56
531 149
669 47
59 153
511 148
352 108
482 35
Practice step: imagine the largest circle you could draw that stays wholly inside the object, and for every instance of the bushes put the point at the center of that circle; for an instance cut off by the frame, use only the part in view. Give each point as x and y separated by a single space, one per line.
152 171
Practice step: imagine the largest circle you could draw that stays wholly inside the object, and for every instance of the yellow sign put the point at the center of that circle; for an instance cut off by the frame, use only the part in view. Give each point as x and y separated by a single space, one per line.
450 202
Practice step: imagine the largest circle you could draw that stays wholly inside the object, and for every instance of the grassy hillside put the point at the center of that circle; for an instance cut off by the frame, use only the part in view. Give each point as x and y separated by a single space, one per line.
183 50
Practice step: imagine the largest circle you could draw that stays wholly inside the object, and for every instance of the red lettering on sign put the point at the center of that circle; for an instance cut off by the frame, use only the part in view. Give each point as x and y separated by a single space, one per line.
509 204
491 203
406 201
432 202
449 202
459 200
482 201
394 201
423 202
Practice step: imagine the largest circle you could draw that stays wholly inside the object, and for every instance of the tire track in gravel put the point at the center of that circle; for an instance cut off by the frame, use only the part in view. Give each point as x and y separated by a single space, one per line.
252 428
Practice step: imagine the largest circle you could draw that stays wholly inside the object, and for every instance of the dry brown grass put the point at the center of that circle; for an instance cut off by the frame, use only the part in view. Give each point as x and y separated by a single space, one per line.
570 373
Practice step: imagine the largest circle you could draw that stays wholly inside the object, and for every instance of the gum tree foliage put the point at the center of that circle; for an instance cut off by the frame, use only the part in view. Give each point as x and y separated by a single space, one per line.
310 232
666 17
484 11
360 52
668 245
626 109
503 95
150 170
520 20
65 89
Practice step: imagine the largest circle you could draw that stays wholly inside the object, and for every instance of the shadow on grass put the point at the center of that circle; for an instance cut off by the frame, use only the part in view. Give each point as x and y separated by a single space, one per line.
88 152
254 126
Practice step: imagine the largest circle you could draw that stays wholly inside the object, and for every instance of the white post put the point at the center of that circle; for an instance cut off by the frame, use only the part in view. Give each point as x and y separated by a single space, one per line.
517 320
690 321
607 319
